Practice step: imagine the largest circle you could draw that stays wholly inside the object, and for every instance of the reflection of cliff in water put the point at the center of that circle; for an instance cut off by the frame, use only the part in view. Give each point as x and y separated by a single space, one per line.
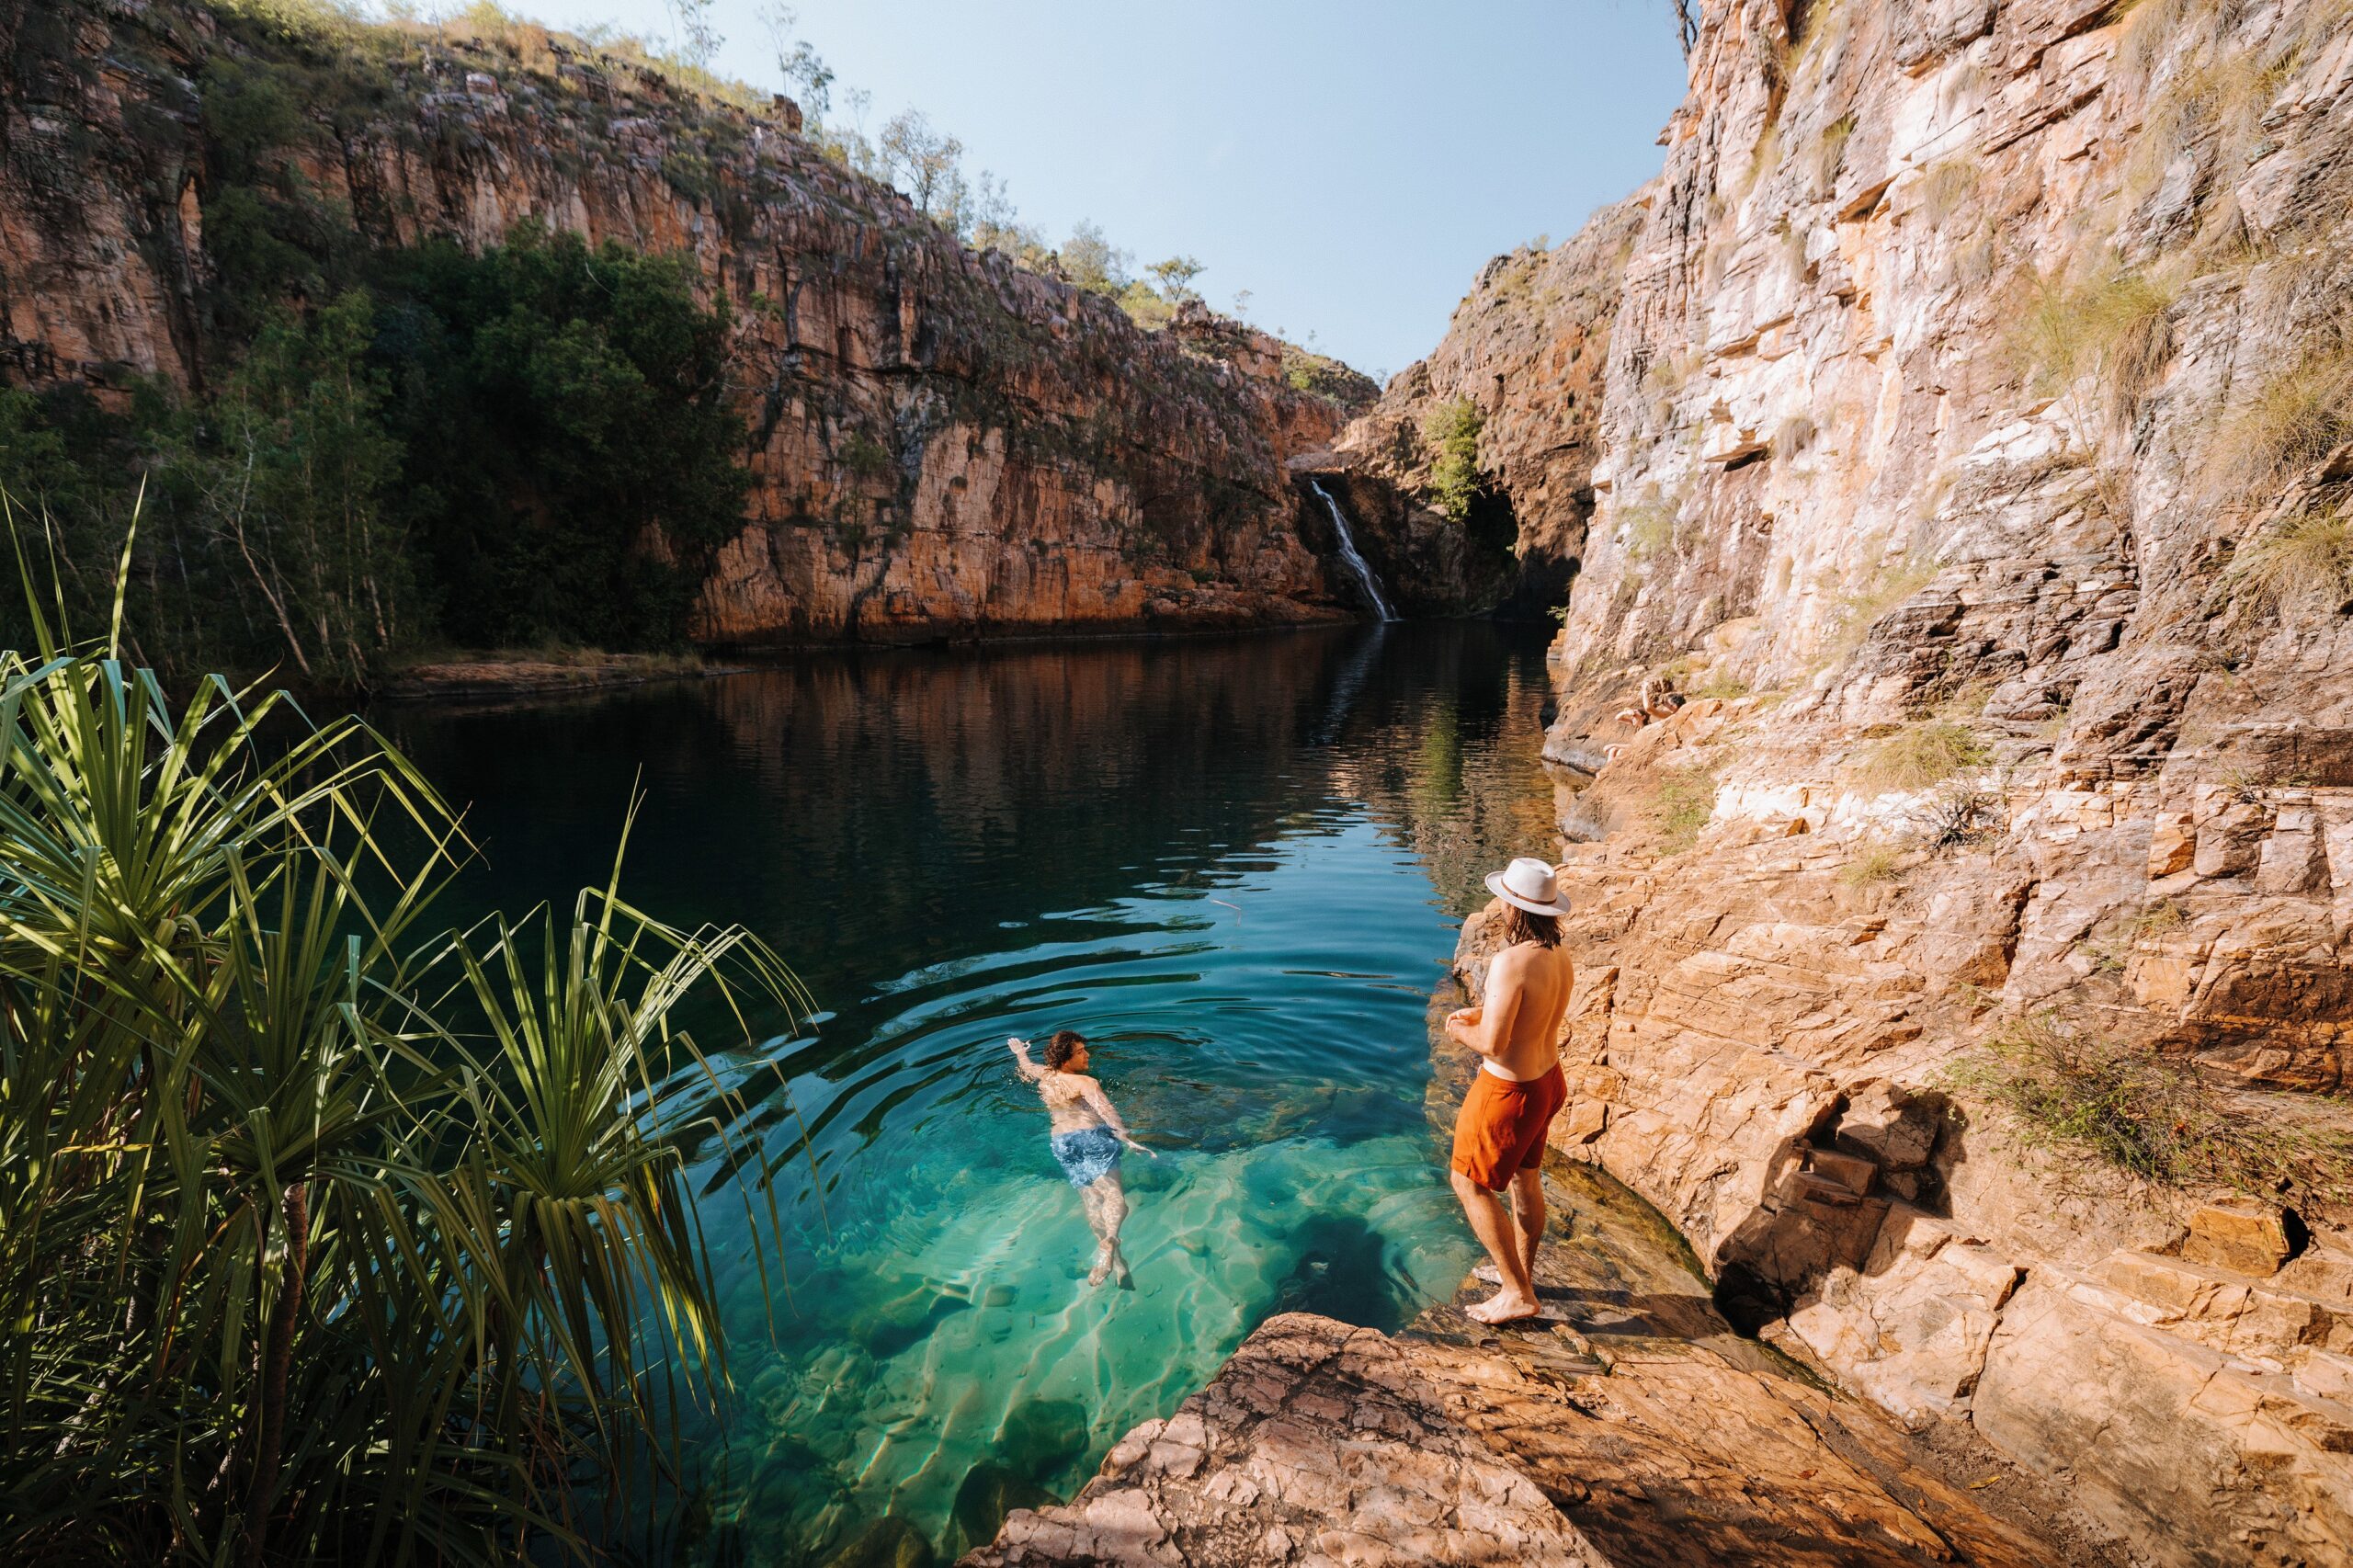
972 768
1460 781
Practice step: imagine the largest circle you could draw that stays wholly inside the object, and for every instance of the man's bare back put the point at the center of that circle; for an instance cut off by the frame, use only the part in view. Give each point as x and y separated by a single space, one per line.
1519 1027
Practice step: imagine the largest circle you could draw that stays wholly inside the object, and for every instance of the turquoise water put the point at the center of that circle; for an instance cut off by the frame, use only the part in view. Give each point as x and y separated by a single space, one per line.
1234 864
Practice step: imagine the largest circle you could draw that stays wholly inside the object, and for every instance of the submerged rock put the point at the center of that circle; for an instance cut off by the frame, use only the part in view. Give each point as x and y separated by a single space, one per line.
885 1544
1041 1436
990 1493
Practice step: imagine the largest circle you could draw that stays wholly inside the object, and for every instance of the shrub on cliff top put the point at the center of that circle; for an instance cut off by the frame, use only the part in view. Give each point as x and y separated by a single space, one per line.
1322 376
2071 1091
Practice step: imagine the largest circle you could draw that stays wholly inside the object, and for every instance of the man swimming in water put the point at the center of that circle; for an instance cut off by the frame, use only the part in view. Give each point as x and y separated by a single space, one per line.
1499 1135
1086 1138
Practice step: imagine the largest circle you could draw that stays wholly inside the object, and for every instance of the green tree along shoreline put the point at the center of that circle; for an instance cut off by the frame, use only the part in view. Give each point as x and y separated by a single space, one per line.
324 1239
530 445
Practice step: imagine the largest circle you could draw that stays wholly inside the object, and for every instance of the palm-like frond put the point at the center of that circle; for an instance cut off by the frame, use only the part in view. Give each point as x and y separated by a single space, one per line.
320 1242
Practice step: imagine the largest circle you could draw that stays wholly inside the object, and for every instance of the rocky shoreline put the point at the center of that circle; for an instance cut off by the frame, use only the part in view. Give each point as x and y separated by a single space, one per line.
1955 431
1645 1430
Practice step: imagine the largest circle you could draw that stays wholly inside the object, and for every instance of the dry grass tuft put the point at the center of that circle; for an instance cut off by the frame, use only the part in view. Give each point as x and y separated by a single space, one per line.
1647 524
1830 152
1949 186
2075 1092
2293 421
1920 755
1853 614
1873 864
1722 684
2302 562
2109 324
1681 805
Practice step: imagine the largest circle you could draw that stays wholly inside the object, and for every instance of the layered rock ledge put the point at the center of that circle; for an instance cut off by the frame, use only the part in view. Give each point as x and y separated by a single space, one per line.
942 444
1647 1433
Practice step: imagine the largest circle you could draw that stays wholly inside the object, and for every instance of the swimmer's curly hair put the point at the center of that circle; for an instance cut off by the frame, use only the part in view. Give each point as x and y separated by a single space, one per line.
1065 1044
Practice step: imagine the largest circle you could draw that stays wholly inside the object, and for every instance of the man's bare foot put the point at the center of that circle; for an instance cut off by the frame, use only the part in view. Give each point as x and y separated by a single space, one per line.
1102 1269
1505 1306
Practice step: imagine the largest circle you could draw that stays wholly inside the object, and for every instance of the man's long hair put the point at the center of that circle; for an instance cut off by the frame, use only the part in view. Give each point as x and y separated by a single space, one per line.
1544 930
1065 1044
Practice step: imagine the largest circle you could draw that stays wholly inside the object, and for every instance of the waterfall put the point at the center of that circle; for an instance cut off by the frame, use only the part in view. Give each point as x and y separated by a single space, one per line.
1357 564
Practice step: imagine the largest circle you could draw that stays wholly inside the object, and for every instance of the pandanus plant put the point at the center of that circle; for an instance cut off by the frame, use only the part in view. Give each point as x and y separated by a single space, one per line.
322 1239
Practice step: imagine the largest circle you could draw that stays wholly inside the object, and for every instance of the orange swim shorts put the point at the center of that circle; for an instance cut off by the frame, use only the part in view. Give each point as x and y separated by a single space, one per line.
1502 1126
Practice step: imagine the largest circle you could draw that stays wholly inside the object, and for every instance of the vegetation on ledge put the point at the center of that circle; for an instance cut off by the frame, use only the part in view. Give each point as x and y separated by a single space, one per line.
2071 1090
482 449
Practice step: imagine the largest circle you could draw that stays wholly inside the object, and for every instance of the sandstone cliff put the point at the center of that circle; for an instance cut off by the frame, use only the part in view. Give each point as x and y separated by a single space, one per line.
1527 349
1974 446
1962 423
942 444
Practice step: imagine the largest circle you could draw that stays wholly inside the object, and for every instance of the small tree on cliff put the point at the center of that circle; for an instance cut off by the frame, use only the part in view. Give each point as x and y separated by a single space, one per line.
1177 275
925 163
1093 262
693 35
1452 431
1687 24
811 79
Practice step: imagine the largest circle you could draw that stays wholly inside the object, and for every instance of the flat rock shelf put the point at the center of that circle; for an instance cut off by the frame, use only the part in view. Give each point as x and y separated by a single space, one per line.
1642 1433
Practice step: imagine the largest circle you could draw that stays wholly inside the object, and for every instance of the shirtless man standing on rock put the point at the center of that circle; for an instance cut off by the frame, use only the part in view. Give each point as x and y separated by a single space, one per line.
1500 1134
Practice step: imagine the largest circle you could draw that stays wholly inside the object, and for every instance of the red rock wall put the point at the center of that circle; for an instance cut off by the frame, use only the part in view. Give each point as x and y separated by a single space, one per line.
1844 495
1529 348
1048 464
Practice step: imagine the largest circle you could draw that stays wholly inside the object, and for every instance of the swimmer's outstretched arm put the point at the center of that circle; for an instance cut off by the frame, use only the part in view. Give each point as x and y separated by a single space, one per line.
1021 1063
1092 1093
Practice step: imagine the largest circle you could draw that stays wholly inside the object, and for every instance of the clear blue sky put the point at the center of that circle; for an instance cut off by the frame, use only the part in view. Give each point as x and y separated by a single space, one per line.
1351 165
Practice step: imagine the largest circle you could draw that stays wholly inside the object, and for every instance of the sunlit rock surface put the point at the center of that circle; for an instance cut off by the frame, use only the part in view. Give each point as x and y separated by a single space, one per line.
1645 1432
1981 365
942 444
1844 495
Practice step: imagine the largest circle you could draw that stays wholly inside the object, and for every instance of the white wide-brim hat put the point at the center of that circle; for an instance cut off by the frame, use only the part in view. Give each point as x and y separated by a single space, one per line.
1529 885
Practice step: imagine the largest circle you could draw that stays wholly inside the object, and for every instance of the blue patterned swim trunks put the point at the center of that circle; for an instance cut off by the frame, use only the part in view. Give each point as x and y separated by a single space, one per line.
1087 1155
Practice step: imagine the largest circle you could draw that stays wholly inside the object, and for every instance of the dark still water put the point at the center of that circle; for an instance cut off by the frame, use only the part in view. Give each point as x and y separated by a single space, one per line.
1234 864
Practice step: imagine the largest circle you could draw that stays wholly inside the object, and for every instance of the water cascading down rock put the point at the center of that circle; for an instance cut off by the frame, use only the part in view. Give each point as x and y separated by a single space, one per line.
1969 438
1357 566
942 444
